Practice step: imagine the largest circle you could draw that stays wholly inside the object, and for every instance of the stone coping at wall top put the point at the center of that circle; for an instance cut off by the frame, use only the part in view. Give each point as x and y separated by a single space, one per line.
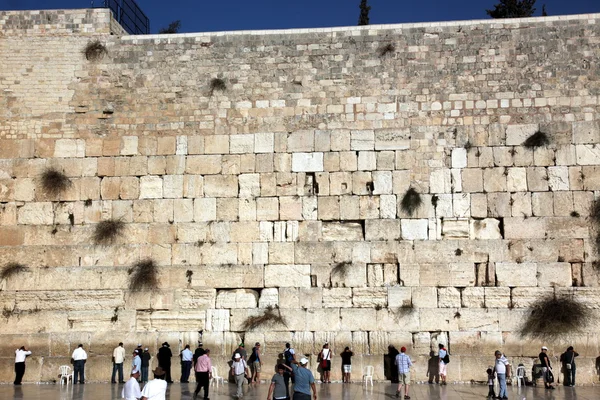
508 21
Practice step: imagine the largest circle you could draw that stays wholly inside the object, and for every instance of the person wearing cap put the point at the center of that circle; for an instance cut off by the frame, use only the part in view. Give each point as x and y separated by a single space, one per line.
20 355
403 364
117 358
136 362
239 369
203 370
146 357
502 368
278 390
156 389
546 366
79 357
164 360
255 363
305 381
241 350
131 390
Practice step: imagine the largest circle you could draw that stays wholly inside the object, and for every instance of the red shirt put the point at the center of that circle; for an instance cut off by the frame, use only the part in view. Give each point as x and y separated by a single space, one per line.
203 364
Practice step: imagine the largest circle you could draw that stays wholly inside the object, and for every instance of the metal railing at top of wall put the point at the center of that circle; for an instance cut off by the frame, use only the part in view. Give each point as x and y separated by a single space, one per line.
128 14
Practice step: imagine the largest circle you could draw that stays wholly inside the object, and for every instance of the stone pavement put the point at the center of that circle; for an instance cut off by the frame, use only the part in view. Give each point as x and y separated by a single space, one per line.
355 391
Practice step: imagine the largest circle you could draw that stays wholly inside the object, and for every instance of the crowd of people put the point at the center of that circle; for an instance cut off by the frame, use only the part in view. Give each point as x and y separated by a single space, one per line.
248 369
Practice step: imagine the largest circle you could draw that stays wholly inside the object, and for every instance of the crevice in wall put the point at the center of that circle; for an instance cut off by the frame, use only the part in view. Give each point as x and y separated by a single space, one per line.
501 227
510 298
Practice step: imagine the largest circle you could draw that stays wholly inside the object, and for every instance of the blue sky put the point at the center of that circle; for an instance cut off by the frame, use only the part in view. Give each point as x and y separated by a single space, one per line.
225 15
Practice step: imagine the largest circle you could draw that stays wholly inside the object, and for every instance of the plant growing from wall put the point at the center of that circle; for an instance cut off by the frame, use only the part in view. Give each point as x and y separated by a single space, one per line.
95 51
143 275
217 84
386 49
552 316
11 269
363 19
54 182
270 316
538 139
106 232
341 269
173 27
411 201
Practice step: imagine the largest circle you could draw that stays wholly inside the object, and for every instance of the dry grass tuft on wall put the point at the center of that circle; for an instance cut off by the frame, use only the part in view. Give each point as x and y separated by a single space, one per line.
106 232
341 269
552 316
95 51
11 269
271 316
54 182
538 139
386 49
411 201
143 275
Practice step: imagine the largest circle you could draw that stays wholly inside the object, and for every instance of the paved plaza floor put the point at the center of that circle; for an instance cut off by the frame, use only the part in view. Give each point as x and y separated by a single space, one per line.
338 391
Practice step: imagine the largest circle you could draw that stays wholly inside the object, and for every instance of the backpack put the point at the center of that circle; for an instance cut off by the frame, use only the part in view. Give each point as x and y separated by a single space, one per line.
446 359
288 356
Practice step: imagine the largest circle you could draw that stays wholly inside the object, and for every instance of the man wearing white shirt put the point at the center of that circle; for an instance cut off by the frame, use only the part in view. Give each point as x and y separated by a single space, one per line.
117 359
131 390
79 357
20 355
157 387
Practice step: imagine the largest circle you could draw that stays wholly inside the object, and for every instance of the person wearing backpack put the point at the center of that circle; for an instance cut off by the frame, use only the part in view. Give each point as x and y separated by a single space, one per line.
546 368
444 361
289 355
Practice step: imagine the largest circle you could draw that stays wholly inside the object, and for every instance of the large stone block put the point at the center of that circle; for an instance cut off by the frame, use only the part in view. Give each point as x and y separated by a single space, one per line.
287 275
516 274
307 162
238 298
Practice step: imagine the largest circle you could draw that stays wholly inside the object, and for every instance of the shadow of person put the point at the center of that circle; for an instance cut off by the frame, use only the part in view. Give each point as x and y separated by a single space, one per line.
598 367
389 367
433 368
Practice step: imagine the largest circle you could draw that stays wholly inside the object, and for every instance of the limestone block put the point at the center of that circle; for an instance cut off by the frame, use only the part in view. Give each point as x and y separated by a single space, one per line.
459 157
239 144
558 178
205 209
440 181
587 154
586 132
382 182
438 319
542 204
62 300
414 229
377 229
267 208
200 299
499 205
358 319
494 179
69 148
554 274
375 275
479 205
239 298
525 297
515 274
216 144
472 180
367 161
473 297
217 320
264 142
237 276
290 208
410 274
151 187
269 297
396 139
328 208
171 320
355 275
516 180
449 297
496 297
517 134
24 190
307 162
399 296
290 297
294 319
451 274
455 228
461 205
537 179
203 164
281 253
484 229
173 186
342 231
323 320
424 297
362 140
303 140
348 161
372 297
340 183
35 214
221 186
287 276
387 206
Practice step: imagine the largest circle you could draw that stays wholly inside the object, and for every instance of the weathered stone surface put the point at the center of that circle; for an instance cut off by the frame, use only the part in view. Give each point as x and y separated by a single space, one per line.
238 298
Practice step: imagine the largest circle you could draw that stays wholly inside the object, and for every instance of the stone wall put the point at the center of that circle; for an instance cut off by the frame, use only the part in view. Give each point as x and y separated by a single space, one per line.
286 188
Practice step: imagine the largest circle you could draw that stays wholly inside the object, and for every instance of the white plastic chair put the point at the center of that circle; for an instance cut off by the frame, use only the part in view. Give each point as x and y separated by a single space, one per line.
368 375
520 375
66 374
216 378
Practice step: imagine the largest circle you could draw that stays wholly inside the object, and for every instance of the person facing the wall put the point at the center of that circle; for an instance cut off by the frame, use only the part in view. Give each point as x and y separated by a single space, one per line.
145 364
255 363
20 355
325 360
568 361
164 360
79 358
442 353
186 364
403 364
117 358
346 364
546 368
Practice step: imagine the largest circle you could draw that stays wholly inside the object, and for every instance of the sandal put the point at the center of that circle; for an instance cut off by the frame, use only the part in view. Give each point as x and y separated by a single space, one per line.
406 397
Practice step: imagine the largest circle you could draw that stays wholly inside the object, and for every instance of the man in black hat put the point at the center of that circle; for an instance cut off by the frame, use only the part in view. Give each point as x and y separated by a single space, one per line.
157 387
164 360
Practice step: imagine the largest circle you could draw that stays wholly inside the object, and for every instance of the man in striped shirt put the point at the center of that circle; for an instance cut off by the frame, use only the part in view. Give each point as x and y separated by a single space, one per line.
403 364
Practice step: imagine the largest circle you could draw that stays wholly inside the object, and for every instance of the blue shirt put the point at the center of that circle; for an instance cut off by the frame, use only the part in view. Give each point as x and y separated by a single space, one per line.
403 362
136 364
303 379
187 355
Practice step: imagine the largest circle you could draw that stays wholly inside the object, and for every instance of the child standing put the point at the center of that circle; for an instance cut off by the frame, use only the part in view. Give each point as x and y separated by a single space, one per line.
490 379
